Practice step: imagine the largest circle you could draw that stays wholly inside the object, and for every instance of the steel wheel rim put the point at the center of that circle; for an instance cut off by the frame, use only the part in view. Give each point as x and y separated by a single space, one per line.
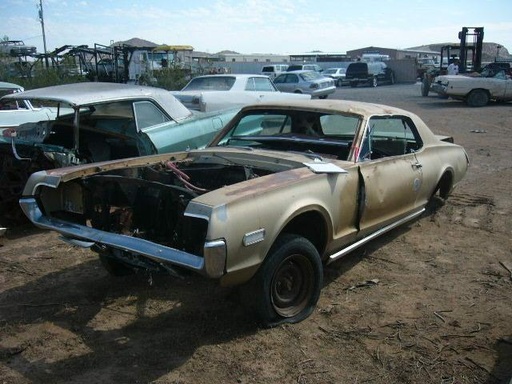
292 285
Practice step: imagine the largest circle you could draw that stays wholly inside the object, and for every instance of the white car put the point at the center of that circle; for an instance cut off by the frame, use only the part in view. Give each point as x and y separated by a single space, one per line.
475 91
338 74
15 112
214 92
305 82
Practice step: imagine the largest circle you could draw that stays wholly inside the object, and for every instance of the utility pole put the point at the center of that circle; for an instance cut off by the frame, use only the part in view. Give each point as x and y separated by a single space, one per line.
41 19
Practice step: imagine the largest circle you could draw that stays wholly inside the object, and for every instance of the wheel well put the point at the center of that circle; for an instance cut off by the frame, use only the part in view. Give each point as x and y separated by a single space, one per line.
479 89
310 225
445 184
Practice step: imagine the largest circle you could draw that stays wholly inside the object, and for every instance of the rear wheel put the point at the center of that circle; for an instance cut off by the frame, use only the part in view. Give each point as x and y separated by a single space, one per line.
288 284
477 98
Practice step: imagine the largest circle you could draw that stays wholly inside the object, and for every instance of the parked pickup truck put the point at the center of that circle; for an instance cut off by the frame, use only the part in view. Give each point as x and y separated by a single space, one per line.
475 90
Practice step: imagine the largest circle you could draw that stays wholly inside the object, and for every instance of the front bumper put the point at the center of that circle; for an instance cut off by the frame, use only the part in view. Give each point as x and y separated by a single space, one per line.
212 265
438 88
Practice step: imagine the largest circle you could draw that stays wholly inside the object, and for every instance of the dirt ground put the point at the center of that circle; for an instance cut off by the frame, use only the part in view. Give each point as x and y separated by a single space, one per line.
428 303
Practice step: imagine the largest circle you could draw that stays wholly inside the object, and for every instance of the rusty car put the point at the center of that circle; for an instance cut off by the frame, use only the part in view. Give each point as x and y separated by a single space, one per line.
284 189
96 122
476 89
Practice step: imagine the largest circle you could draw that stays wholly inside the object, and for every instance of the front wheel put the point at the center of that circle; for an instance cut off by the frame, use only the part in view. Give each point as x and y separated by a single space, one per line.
323 97
287 285
477 98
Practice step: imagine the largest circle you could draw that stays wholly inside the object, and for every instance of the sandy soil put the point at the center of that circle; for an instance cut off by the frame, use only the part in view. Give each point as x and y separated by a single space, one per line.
428 303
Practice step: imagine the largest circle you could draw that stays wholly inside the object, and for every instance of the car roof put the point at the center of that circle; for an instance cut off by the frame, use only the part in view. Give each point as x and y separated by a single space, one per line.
237 75
88 93
5 85
333 106
301 71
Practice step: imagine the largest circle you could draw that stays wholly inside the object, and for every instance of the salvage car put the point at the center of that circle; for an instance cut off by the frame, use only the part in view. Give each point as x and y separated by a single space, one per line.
305 82
284 189
16 112
216 92
475 90
16 48
97 122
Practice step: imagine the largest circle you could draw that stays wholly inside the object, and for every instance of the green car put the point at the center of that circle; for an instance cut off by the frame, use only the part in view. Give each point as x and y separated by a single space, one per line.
97 122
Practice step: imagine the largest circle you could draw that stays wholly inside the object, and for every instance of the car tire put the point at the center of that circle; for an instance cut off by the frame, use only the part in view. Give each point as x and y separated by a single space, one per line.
323 97
392 78
339 83
477 98
287 286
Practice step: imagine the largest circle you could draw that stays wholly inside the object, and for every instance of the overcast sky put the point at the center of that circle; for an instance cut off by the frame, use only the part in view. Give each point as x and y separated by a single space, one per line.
256 26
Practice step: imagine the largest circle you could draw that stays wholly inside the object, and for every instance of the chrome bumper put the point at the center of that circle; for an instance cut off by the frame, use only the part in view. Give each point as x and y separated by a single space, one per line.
438 88
212 265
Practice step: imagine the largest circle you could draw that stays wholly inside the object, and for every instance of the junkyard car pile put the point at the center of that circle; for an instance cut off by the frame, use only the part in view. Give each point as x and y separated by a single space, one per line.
97 122
216 92
476 90
282 190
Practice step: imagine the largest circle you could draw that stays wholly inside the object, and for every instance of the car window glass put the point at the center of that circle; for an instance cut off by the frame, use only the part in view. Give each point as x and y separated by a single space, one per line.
210 83
308 76
292 79
147 114
339 125
9 105
389 136
259 84
266 124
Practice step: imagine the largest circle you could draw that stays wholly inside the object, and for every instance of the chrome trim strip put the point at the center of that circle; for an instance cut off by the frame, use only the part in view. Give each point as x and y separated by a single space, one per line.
374 235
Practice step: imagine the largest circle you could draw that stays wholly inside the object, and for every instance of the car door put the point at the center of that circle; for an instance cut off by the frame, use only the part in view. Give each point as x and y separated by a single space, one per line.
290 83
390 171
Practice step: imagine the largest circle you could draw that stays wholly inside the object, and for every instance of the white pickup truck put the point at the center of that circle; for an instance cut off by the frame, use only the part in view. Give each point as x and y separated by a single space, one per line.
475 91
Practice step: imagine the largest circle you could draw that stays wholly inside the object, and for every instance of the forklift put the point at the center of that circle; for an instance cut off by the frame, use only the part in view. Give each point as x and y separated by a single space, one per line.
468 52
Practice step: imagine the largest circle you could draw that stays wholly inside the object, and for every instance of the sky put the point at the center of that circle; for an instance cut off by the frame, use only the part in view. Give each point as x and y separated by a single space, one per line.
256 26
